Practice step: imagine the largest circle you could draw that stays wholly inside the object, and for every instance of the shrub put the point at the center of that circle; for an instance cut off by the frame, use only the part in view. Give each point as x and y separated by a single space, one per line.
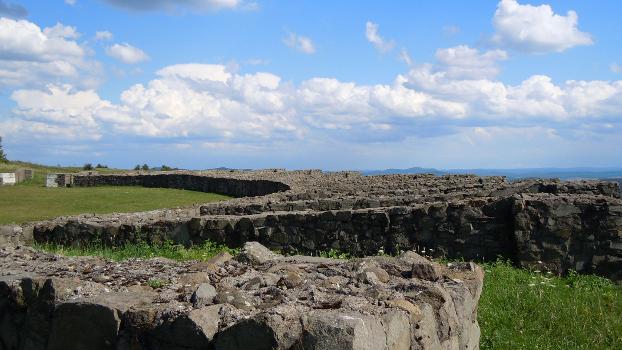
145 167
2 154
87 166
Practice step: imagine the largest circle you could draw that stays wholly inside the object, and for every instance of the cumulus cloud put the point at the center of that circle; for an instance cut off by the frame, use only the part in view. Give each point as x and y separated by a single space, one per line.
126 53
103 35
214 105
12 10
465 62
536 29
537 97
371 33
173 5
300 43
32 56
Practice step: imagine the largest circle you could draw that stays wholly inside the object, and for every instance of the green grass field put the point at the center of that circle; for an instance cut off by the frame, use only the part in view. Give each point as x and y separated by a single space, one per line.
31 201
521 309
518 309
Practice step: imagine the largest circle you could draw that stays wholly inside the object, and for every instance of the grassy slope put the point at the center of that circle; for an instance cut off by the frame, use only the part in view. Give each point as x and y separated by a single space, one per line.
31 201
518 309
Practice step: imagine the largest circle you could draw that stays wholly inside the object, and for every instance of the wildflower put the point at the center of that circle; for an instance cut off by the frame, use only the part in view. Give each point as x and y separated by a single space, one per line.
532 284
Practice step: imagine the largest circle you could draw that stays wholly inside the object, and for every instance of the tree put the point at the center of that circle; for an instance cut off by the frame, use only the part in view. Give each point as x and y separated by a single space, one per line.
145 167
137 167
87 166
166 168
2 154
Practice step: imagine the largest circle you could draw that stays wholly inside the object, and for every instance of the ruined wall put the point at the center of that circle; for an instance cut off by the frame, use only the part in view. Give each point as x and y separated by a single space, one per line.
226 186
256 300
552 224
557 233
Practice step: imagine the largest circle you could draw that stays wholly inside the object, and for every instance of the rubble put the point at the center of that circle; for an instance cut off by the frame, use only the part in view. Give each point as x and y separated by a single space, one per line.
56 302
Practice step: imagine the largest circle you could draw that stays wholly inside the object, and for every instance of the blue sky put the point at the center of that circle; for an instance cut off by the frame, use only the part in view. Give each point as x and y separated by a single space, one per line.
312 84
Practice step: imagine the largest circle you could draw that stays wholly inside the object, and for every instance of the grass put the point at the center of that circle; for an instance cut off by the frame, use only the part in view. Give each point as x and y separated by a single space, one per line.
141 250
522 309
31 201
19 204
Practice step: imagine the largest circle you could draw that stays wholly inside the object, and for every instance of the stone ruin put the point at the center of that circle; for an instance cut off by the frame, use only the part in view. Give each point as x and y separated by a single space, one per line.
20 175
257 300
272 301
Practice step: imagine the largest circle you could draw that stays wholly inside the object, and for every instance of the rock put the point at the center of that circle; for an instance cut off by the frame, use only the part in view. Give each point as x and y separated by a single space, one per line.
397 329
193 278
335 330
427 270
275 330
290 280
84 325
257 254
194 330
204 295
234 297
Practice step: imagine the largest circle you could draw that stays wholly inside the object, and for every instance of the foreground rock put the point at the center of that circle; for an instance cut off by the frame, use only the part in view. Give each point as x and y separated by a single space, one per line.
258 300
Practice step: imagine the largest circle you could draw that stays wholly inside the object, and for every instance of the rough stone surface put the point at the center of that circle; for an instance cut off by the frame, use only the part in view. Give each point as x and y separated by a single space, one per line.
54 302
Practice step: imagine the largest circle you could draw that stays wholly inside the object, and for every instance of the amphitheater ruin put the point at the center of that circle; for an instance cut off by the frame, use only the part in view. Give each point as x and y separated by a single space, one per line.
388 297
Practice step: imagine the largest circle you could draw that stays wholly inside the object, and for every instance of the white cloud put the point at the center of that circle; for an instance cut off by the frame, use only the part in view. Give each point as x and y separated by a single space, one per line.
536 29
127 53
300 43
615 68
463 61
61 31
103 35
24 40
70 2
371 33
405 57
30 56
217 106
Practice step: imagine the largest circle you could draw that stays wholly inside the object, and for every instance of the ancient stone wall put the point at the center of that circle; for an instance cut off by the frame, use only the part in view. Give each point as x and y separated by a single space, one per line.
257 300
550 224
227 186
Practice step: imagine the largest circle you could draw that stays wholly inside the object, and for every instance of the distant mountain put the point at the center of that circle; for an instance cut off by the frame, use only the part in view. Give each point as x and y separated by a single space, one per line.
615 174
415 170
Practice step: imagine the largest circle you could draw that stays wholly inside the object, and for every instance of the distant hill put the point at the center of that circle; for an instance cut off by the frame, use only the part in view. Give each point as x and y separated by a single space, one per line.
415 170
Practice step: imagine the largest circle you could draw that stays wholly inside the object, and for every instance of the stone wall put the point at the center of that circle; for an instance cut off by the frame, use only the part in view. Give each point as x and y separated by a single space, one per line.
256 300
555 233
547 224
227 186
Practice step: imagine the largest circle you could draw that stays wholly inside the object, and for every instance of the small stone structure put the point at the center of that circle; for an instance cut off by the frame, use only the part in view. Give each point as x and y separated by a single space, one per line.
257 300
24 174
7 179
59 180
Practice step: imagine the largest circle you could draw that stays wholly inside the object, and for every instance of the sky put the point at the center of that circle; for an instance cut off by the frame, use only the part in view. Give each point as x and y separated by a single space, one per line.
312 84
